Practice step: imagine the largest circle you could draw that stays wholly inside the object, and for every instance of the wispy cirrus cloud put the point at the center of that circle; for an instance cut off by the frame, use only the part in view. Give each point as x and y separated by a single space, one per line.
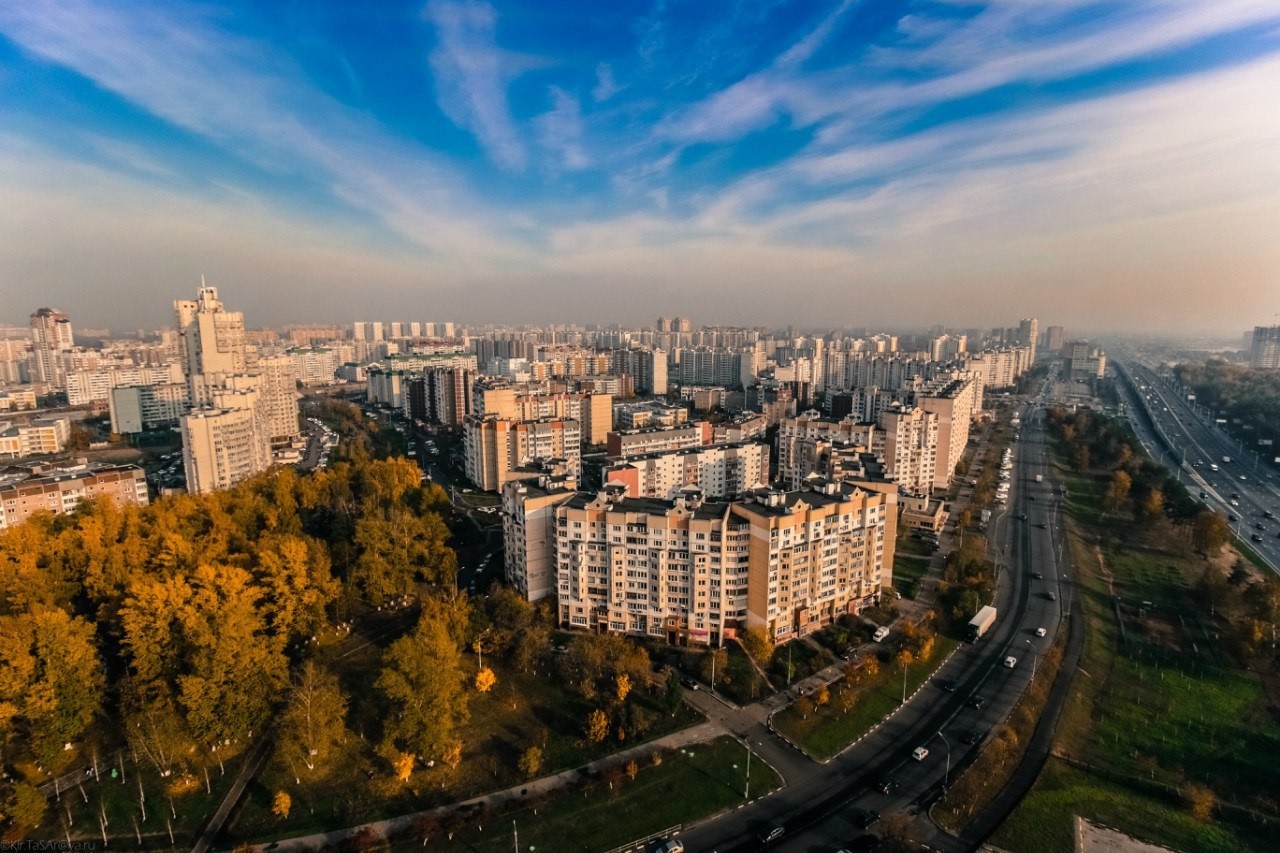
471 75
560 130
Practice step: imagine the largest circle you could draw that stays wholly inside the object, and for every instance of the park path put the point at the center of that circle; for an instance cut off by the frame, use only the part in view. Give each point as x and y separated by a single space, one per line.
252 763
490 803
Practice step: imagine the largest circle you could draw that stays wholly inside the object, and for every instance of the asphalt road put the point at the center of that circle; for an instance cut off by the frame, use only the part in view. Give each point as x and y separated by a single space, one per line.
816 806
1244 487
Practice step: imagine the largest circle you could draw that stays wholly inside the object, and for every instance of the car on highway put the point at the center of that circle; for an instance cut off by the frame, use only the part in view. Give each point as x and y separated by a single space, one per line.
1040 632
887 785
920 753
1043 526
949 686
1038 575
865 818
672 845
1011 662
1256 538
971 737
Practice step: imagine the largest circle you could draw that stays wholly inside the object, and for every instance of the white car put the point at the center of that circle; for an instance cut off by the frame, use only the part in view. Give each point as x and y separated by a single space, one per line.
920 753
1040 632
1011 662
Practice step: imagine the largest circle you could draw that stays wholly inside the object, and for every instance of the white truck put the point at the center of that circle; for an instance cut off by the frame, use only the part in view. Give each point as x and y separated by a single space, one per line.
981 622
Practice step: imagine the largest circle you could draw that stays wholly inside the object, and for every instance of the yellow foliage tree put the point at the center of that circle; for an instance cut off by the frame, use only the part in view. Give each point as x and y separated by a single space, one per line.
485 679
404 765
597 726
281 803
621 687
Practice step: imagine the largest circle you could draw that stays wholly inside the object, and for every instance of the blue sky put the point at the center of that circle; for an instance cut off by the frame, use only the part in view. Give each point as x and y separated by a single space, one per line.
1097 164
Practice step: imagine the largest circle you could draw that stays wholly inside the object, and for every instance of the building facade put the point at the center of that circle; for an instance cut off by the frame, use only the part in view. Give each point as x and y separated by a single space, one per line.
719 470
28 489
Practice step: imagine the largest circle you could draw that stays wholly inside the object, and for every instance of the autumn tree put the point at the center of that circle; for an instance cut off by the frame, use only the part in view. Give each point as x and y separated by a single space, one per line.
23 805
597 727
822 696
313 723
715 665
805 707
1200 801
621 687
1152 506
1118 491
758 644
422 679
531 761
281 804
51 678
485 680
1210 531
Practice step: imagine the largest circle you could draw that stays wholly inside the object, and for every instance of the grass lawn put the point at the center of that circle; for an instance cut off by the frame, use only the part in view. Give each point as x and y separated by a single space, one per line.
521 710
1044 821
829 730
1154 704
911 546
689 785
907 572
796 659
744 684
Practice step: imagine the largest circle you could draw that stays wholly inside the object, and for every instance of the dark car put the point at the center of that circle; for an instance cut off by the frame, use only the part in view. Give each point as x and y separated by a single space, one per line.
1038 575
1266 513
888 785
971 737
949 686
1256 538
1043 526
976 702
772 833
865 818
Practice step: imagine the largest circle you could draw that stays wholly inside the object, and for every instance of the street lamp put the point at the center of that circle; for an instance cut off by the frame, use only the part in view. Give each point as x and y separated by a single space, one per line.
1034 658
946 778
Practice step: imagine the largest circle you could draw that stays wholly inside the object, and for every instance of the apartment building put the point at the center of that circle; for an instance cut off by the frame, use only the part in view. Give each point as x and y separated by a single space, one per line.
87 387
139 408
51 336
648 414
40 436
634 442
211 342
804 439
225 441
719 470
314 365
696 571
497 447
954 403
593 411
1085 361
906 438
528 532
1264 352
28 489
17 399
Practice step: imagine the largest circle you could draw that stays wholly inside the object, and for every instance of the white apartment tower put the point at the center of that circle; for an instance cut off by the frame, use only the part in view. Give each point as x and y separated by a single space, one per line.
51 336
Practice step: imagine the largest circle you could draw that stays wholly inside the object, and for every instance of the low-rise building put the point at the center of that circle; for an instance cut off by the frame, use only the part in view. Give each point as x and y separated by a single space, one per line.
138 408
719 470
28 489
36 437
17 399
634 442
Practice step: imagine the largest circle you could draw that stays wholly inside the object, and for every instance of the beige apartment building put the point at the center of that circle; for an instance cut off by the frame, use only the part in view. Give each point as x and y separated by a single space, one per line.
954 403
906 438
719 470
40 436
211 342
496 447
593 411
636 442
28 489
695 571
804 439
528 532
226 441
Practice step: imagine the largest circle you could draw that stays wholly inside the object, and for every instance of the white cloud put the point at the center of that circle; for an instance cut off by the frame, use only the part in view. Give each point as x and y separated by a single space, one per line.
606 87
560 130
471 75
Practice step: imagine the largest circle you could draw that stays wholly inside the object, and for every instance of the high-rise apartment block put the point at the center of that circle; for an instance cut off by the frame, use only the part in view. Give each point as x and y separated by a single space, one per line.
1055 338
1028 336
243 405
1265 352
719 470
51 336
497 448
698 571
139 408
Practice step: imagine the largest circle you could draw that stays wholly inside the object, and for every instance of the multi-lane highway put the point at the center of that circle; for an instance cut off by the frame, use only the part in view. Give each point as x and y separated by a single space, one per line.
1188 441
821 807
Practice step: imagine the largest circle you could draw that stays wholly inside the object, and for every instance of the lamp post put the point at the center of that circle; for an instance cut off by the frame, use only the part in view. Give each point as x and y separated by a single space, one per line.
946 778
1034 659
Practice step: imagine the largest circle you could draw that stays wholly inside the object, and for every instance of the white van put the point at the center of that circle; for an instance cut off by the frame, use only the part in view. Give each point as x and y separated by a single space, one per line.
880 634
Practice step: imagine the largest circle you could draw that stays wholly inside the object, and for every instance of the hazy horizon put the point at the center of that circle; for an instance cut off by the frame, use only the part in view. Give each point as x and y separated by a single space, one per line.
1113 166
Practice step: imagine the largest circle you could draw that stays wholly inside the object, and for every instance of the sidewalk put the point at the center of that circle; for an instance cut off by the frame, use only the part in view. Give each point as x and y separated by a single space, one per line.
495 801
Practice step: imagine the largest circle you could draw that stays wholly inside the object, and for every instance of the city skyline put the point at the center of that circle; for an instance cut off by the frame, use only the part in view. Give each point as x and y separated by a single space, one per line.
492 164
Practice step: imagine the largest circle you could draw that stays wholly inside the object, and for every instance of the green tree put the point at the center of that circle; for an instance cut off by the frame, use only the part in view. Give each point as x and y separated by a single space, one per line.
24 806
423 680
313 722
674 693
